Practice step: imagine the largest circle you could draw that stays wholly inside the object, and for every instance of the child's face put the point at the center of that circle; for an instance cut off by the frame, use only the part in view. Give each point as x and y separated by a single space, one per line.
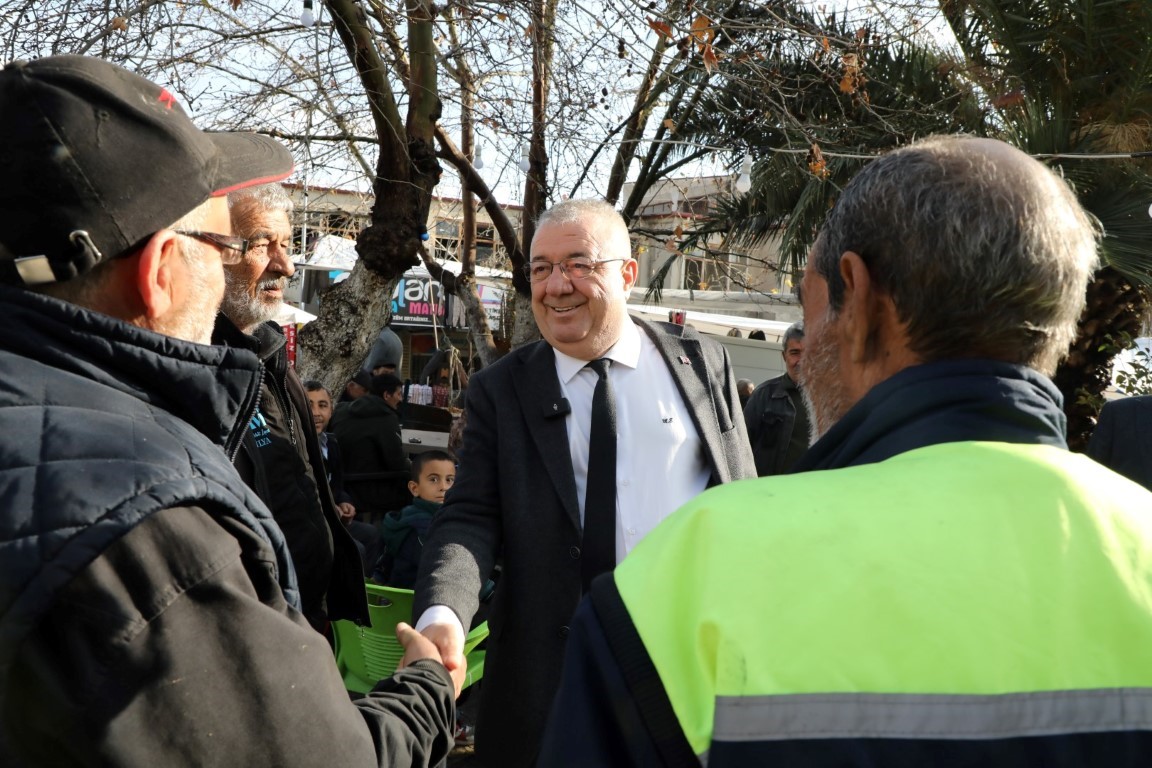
436 477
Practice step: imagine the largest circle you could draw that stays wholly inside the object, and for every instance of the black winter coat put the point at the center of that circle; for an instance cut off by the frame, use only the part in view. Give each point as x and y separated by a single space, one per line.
376 466
146 595
281 461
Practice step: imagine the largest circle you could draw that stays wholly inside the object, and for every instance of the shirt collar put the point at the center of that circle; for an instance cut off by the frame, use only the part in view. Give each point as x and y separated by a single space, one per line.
626 351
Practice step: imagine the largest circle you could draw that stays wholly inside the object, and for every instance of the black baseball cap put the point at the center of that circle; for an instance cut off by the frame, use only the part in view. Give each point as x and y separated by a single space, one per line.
94 159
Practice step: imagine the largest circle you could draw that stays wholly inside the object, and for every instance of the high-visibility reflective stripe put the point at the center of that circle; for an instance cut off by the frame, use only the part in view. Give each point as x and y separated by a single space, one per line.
930 716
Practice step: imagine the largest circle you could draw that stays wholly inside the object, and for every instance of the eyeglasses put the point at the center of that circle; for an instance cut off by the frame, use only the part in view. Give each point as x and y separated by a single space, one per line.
232 249
574 268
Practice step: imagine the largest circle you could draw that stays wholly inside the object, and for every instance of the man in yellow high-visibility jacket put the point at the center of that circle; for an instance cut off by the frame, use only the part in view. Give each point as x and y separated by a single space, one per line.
953 587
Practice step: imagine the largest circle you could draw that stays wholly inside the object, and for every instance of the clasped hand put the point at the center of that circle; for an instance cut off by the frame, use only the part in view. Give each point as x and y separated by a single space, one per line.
439 642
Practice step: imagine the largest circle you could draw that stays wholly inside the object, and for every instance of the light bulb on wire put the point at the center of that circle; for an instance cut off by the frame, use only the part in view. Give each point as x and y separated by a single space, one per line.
478 161
744 180
307 18
525 163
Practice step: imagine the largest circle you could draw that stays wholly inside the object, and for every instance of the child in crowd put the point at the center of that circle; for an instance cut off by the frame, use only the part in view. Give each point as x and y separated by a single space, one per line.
433 473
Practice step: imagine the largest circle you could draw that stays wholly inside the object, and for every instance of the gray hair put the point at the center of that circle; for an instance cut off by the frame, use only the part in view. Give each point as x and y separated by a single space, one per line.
590 213
261 196
247 206
983 250
795 332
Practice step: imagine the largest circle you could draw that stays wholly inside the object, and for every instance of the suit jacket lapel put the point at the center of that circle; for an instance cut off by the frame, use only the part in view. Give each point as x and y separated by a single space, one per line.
689 368
544 408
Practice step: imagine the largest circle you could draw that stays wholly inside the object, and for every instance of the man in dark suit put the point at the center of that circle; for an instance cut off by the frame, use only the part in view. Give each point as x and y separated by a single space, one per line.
526 467
1123 438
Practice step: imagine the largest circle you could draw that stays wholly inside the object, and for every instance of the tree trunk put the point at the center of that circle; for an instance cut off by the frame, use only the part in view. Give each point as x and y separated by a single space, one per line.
477 319
1116 306
524 330
332 347
353 312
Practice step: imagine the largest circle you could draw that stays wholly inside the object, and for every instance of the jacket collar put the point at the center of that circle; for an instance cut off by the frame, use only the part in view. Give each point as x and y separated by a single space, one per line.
265 341
944 402
210 387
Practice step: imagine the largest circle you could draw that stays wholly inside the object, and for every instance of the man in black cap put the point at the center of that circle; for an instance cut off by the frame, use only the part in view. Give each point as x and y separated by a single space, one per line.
148 604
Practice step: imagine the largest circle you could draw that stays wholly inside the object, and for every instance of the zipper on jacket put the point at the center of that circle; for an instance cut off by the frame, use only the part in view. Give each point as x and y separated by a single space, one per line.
246 414
285 401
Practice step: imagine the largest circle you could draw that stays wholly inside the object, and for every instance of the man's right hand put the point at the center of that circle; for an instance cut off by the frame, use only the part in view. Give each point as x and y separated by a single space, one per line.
446 637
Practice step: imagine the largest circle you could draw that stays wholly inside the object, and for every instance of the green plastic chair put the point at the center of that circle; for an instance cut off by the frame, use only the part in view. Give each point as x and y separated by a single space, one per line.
367 655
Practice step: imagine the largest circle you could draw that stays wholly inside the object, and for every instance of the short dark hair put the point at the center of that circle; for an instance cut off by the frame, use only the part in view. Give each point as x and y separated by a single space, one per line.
385 383
420 459
312 385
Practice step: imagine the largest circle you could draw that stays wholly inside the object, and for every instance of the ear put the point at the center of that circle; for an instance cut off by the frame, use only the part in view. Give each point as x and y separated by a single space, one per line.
631 272
862 310
412 486
156 274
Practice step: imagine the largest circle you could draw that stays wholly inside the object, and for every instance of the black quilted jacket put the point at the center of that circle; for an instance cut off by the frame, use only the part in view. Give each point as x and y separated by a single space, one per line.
113 424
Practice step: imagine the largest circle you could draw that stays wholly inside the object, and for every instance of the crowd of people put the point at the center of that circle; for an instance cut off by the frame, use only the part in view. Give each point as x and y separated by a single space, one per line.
884 556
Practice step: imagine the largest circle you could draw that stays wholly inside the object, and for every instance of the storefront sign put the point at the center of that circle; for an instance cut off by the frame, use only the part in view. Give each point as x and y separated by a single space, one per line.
416 300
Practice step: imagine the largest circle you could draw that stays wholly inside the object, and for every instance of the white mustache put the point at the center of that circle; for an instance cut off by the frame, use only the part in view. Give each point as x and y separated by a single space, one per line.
276 282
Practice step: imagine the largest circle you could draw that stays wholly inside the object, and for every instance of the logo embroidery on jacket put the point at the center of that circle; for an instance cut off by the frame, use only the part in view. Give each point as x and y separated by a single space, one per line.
260 430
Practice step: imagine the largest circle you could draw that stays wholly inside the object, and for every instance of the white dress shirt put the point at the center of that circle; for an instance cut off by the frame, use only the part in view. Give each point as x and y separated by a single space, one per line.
660 463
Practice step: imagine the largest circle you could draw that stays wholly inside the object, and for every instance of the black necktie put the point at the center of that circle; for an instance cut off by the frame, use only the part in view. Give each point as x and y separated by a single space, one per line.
598 549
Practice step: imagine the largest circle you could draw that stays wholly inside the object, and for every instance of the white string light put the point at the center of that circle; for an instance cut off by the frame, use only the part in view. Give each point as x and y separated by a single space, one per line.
478 162
744 180
525 163
307 18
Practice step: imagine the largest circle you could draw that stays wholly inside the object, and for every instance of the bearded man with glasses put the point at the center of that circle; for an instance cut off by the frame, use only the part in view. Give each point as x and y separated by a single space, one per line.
534 487
280 457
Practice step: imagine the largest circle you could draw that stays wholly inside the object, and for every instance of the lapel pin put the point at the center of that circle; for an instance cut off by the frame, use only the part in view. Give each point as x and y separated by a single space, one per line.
684 360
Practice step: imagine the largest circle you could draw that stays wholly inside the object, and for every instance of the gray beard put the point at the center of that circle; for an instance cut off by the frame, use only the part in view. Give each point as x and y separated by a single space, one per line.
823 391
245 311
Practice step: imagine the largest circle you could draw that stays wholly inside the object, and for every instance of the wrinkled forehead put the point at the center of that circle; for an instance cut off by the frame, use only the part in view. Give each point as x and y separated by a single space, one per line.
251 218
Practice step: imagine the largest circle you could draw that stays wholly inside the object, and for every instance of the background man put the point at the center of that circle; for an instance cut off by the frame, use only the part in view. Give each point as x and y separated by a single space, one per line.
1122 441
366 535
775 416
744 388
147 600
281 458
376 465
527 470
956 588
